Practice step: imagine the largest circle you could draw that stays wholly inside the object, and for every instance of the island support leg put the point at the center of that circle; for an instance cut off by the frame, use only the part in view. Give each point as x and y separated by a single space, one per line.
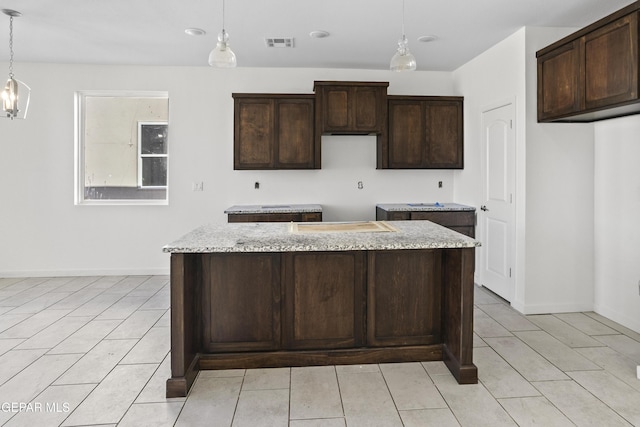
185 314
457 313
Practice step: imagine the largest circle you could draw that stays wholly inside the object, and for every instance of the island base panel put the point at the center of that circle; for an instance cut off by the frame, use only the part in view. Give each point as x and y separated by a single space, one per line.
321 357
451 283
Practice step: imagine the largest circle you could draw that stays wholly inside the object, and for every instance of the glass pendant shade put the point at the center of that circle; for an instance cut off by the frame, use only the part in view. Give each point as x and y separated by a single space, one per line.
15 94
222 56
403 60
15 99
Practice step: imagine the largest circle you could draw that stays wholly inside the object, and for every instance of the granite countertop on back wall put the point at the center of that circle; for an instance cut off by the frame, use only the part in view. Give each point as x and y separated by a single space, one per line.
273 208
424 207
278 237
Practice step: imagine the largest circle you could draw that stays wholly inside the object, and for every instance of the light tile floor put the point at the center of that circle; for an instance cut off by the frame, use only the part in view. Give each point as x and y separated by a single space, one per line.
80 351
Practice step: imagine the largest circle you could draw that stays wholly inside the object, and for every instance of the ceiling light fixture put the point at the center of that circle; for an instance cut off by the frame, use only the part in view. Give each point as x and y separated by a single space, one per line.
222 56
195 32
319 34
427 39
16 94
403 60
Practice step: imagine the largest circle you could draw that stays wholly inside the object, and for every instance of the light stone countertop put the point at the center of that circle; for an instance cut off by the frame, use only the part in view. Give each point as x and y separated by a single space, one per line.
273 208
277 237
424 207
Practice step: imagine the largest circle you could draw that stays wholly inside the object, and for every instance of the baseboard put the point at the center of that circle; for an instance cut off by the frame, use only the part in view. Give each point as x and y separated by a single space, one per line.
611 314
97 272
550 308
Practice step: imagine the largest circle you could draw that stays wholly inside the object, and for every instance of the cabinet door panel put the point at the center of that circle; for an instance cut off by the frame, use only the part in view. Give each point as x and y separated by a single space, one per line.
295 136
324 300
444 135
559 82
406 135
241 302
366 109
425 133
404 297
336 109
254 134
611 63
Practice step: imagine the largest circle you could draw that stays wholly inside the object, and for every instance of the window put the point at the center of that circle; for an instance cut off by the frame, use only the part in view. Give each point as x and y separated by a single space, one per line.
122 154
152 160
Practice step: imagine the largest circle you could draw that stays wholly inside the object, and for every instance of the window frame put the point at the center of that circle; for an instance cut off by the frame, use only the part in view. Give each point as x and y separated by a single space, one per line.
79 147
141 156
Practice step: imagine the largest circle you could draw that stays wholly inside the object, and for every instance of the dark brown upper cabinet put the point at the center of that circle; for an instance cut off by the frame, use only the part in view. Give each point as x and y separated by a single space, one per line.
351 107
274 132
425 132
592 74
284 131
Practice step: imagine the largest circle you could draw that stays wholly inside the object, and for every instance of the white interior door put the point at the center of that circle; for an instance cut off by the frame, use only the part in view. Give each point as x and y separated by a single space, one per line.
497 215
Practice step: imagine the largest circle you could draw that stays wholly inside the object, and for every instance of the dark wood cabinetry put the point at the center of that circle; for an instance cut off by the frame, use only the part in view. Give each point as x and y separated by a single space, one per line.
250 310
404 306
274 132
593 73
324 300
351 107
246 315
275 217
285 131
559 82
611 63
424 133
462 221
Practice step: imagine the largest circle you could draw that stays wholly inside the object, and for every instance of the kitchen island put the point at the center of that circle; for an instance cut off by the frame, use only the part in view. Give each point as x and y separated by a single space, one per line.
249 295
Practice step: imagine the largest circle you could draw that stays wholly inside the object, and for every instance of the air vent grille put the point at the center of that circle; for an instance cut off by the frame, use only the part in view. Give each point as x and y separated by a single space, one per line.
279 41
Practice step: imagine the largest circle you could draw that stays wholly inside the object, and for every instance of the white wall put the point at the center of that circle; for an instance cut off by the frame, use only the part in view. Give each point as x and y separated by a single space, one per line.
559 212
554 176
43 233
617 225
493 78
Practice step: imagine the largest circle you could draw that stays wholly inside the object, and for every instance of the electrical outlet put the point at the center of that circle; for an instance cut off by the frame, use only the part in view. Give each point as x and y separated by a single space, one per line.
256 185
198 186
439 184
360 185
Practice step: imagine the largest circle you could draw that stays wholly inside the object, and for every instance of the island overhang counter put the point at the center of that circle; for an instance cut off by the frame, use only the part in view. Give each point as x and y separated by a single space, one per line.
250 295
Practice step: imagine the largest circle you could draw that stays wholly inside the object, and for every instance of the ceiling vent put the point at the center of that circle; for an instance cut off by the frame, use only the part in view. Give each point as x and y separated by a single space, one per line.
279 41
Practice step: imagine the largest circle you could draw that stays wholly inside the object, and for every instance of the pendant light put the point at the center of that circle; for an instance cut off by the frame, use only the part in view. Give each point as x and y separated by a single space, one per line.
403 60
15 96
222 56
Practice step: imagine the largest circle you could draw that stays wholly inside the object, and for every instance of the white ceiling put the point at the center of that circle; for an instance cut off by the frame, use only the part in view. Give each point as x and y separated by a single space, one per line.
364 33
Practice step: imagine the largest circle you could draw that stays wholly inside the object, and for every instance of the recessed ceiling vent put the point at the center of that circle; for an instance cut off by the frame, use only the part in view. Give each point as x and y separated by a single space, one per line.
279 41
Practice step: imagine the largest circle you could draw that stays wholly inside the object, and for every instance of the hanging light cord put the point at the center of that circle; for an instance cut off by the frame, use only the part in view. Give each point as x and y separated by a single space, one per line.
403 19
223 16
11 47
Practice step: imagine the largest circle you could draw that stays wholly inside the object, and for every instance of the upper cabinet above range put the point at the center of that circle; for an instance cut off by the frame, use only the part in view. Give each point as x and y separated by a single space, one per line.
592 74
351 107
284 131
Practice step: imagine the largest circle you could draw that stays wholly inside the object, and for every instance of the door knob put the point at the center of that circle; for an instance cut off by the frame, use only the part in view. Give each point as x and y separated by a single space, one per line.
484 208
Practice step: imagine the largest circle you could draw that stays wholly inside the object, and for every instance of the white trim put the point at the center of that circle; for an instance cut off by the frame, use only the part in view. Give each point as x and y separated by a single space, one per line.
141 156
88 272
613 314
78 151
552 308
